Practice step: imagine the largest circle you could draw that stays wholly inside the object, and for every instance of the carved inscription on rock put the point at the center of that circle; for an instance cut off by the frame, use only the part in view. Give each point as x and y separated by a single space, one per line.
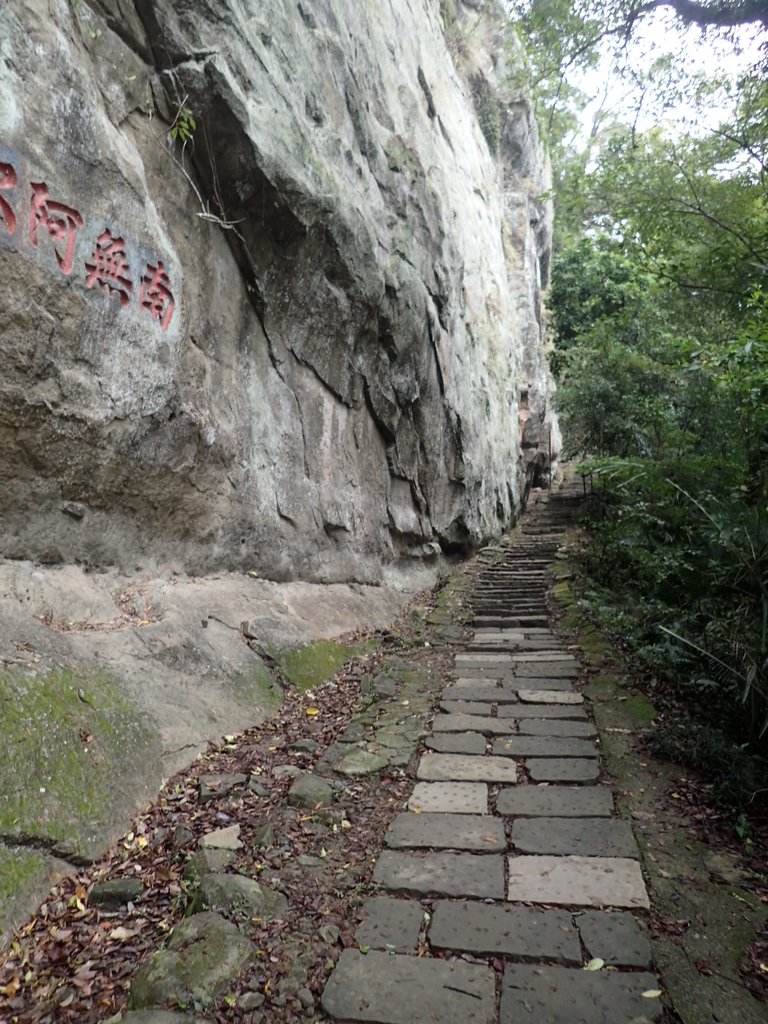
53 222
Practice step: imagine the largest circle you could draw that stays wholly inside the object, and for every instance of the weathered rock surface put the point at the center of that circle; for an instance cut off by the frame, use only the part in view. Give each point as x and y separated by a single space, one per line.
203 955
288 347
320 376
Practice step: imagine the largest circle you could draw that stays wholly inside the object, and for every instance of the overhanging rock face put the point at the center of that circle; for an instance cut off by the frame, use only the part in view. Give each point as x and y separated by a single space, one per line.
301 342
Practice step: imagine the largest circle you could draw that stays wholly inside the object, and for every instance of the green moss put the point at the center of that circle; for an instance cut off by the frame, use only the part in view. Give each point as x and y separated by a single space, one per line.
258 688
66 739
18 868
563 594
307 666
602 687
640 709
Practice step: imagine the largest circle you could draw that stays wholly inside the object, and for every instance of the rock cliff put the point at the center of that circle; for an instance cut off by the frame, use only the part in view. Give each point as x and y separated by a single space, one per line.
270 284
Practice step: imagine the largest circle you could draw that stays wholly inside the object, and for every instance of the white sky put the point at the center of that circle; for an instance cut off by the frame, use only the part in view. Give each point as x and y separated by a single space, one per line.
690 50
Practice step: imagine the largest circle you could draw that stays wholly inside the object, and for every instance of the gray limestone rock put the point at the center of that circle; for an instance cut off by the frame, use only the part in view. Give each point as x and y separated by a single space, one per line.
206 861
559 995
211 787
238 896
203 957
310 791
378 987
115 892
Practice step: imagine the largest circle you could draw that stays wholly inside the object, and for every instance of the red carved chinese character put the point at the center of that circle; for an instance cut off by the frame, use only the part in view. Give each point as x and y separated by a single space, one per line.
61 222
110 269
7 180
155 295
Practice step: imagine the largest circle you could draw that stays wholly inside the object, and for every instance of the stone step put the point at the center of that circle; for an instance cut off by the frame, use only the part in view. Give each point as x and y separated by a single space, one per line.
376 987
437 831
577 881
585 837
562 995
556 801
479 875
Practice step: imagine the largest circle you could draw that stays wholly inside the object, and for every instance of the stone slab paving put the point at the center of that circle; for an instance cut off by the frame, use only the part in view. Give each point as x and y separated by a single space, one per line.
577 881
544 746
390 924
556 801
588 837
466 707
571 711
464 768
450 797
448 874
531 696
561 995
520 932
377 987
474 723
616 937
457 743
550 727
539 875
447 832
480 690
562 769
553 669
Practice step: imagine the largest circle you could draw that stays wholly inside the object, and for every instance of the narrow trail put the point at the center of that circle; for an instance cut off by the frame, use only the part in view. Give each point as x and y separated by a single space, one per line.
511 835
428 837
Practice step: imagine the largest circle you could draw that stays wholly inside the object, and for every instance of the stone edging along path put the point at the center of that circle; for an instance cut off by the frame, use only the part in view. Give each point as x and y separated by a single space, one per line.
535 887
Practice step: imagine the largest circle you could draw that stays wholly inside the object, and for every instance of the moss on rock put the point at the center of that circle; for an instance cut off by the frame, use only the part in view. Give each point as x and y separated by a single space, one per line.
67 741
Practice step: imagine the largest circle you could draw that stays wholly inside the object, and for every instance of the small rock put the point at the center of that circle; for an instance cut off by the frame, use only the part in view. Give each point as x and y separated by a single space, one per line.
310 791
223 838
115 892
359 763
255 786
182 836
304 746
207 861
286 771
329 933
250 1001
236 894
264 837
203 957
211 787
306 998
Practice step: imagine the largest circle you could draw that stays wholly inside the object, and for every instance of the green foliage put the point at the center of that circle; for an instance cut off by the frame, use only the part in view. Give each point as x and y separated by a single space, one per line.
488 112
738 777
184 125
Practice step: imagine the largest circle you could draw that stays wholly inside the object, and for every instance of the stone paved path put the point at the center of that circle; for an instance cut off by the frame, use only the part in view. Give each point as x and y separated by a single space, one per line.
508 872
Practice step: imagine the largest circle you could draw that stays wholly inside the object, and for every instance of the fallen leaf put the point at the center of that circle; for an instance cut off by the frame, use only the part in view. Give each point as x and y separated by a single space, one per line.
121 934
595 965
652 993
312 712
